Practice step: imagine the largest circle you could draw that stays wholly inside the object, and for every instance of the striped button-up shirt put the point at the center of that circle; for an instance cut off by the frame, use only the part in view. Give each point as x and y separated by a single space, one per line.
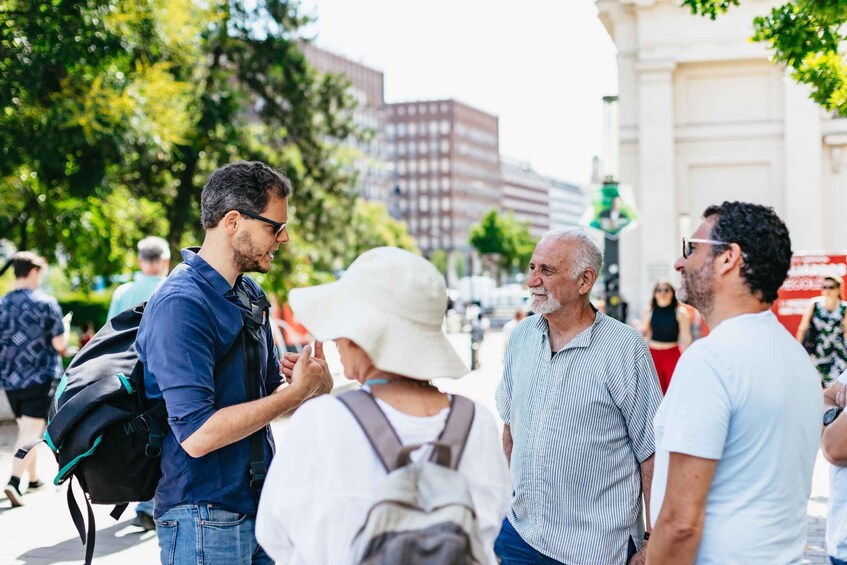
581 422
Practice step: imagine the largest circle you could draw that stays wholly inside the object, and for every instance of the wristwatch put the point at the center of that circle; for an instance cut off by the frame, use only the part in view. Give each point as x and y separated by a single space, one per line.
830 415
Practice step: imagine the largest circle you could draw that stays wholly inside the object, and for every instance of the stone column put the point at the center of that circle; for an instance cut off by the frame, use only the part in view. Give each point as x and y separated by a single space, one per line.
656 187
803 168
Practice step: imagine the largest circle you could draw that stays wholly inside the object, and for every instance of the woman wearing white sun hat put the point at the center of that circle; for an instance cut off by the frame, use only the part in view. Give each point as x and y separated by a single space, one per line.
385 316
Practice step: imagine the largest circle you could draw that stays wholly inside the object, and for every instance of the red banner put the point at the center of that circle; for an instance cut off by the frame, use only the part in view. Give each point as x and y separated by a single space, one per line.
804 281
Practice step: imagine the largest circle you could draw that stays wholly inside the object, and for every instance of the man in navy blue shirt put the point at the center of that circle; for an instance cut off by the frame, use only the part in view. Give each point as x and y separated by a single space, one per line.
32 334
205 505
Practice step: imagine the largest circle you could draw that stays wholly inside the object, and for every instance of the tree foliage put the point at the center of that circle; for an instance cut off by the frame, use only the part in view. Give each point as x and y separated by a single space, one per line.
112 115
805 35
504 237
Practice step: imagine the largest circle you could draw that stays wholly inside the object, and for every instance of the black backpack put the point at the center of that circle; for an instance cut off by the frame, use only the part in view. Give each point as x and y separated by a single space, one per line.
106 433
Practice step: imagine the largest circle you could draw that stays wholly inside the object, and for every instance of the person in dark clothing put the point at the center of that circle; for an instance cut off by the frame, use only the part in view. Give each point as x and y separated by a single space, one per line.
32 336
666 329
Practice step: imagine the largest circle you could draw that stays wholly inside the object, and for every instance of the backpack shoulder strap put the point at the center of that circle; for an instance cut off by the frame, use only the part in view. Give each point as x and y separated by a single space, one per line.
381 435
458 427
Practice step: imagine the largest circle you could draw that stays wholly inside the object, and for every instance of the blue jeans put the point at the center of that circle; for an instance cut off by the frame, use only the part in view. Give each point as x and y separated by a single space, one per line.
191 533
511 549
836 561
145 507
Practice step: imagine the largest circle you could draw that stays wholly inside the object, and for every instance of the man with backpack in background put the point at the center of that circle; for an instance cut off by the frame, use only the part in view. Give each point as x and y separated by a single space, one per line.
154 258
211 478
32 336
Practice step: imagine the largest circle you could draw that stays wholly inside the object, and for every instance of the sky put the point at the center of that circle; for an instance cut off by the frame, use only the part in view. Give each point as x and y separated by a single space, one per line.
541 66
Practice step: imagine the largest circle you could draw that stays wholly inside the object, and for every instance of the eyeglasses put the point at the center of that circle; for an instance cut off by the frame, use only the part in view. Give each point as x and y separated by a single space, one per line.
663 290
828 287
278 227
687 249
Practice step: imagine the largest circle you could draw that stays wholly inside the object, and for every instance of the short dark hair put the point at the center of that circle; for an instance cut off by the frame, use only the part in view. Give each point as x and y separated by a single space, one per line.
763 239
25 261
245 185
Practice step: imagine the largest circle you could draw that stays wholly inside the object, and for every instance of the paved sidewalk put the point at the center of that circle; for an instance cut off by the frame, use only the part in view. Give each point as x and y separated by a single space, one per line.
42 532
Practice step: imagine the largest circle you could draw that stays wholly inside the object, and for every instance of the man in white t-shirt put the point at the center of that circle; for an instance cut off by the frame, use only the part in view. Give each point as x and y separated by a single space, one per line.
737 433
834 447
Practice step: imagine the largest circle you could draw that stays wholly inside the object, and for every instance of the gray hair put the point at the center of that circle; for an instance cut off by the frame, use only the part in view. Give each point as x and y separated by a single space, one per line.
586 252
243 185
154 248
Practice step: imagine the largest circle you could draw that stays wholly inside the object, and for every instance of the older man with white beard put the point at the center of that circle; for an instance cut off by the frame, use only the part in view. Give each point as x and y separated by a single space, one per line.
578 395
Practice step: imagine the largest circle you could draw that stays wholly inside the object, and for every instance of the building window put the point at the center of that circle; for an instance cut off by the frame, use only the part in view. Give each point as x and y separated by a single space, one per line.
444 127
401 129
445 166
445 146
412 110
413 129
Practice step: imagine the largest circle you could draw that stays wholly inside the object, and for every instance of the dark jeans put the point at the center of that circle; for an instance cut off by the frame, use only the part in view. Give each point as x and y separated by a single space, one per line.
836 561
511 549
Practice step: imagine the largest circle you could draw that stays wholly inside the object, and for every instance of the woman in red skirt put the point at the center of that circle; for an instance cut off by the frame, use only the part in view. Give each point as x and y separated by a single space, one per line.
666 330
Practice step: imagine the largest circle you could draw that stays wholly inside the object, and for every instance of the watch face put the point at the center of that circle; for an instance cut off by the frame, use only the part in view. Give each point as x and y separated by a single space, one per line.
830 415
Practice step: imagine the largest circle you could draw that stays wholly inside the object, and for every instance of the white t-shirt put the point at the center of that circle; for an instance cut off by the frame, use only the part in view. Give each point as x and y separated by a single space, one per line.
836 520
325 475
748 396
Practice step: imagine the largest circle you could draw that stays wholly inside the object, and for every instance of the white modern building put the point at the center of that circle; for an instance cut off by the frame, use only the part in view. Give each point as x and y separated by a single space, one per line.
525 193
567 204
706 117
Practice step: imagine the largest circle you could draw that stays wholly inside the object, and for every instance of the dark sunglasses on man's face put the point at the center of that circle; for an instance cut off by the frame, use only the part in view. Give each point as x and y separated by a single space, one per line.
829 287
278 227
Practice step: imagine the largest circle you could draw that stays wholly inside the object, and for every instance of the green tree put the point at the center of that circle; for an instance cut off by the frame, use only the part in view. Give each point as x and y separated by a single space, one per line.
805 35
113 114
504 237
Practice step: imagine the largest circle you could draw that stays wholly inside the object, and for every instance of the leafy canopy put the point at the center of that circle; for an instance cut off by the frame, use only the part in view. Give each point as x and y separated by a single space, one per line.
505 237
805 35
112 115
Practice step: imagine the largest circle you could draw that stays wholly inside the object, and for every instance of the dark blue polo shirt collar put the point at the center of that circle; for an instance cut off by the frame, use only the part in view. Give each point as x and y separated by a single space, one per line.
209 274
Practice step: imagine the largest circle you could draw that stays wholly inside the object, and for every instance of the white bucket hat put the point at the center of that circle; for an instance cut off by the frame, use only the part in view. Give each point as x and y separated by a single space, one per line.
390 303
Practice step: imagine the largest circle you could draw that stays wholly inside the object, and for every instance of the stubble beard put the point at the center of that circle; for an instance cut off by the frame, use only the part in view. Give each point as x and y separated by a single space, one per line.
247 255
697 289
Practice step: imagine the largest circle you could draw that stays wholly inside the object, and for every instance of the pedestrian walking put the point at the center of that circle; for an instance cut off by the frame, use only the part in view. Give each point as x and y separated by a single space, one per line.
153 258
821 331
326 474
211 477
667 331
834 448
577 398
737 433
33 335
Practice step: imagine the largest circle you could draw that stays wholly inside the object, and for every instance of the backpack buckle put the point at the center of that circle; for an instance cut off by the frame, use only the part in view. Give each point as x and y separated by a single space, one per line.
258 472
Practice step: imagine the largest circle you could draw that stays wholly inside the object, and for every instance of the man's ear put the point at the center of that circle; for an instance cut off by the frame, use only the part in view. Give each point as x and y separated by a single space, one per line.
730 259
230 222
586 281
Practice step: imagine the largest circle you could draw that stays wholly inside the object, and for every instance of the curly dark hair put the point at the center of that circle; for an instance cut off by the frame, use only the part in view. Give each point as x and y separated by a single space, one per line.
245 185
764 241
